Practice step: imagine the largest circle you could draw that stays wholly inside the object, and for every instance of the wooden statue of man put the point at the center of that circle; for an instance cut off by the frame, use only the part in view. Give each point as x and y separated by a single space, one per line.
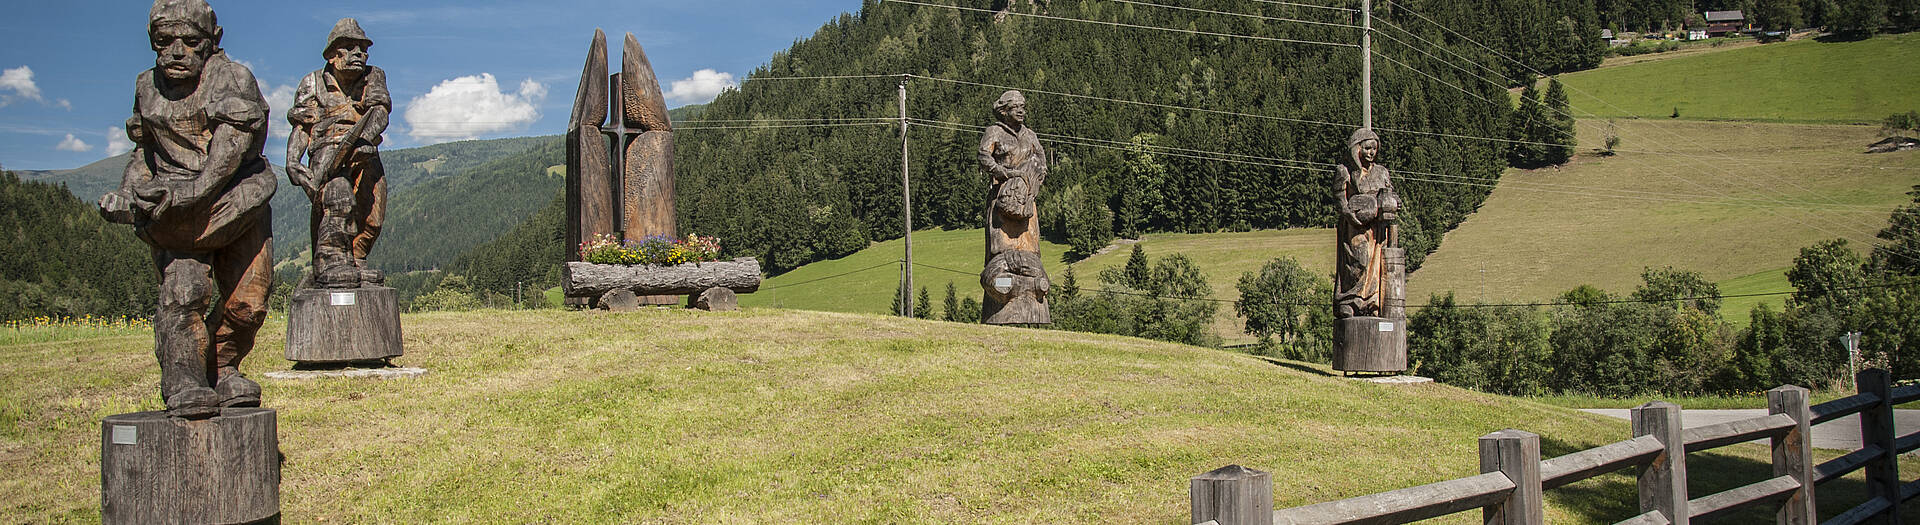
1016 165
197 191
338 115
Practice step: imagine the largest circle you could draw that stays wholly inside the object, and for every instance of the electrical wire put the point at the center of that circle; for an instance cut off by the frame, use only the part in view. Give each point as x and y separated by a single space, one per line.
1134 26
1245 15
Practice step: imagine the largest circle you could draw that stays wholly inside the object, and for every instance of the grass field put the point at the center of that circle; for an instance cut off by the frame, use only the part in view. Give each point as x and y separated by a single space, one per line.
1798 81
1601 220
864 282
782 416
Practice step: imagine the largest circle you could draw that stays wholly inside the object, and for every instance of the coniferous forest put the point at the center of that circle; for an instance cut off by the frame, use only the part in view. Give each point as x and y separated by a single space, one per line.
58 258
1267 120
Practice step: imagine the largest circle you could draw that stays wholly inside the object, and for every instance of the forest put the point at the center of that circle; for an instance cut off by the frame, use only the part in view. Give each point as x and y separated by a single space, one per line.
1210 133
59 259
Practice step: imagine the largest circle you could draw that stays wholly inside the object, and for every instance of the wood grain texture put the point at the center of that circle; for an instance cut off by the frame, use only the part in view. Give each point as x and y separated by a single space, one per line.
582 279
1360 345
159 469
1232 495
320 331
1663 483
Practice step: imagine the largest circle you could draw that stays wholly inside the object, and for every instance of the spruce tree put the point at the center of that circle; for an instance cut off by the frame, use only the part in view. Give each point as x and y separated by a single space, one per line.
1524 129
1559 128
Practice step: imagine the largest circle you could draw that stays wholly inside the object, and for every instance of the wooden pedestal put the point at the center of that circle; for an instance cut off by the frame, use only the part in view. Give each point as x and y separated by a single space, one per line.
1370 344
159 469
344 325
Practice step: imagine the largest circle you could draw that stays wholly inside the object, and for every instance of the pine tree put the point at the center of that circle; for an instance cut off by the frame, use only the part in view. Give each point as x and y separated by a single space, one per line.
923 309
1524 129
1560 128
951 304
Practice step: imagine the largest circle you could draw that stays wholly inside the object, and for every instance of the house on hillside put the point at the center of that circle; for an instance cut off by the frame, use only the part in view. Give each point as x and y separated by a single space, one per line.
1724 23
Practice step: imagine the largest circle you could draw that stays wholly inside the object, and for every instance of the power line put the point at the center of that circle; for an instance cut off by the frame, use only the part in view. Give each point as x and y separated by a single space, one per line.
1311 6
775 126
1137 103
1246 15
1133 26
834 276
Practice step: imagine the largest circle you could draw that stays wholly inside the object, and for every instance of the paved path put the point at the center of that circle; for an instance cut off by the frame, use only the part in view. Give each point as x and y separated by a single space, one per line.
1839 434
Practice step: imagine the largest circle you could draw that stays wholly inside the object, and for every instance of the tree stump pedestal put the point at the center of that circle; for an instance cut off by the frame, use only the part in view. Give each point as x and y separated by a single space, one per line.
1370 344
159 469
348 325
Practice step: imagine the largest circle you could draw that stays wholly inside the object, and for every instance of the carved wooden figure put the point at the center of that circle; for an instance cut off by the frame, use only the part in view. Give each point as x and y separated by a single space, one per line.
1370 302
196 190
1016 166
341 313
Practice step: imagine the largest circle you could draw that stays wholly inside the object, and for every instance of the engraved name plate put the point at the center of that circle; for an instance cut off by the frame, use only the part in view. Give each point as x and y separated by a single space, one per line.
126 435
342 298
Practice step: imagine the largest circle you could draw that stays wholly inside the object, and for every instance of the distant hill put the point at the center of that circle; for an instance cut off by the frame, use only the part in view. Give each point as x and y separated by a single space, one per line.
407 170
430 224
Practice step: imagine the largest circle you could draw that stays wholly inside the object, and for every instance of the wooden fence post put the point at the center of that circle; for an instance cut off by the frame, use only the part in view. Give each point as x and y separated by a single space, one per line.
1663 483
1793 454
1515 453
1232 495
1877 430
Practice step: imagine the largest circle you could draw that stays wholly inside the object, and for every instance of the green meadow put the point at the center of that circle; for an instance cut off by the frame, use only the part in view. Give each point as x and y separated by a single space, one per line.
1805 81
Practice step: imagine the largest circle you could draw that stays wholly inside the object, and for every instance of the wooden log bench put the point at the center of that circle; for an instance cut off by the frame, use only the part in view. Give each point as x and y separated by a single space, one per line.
609 286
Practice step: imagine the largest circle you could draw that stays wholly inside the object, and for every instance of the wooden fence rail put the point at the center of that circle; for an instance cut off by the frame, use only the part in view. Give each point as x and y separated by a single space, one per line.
1513 476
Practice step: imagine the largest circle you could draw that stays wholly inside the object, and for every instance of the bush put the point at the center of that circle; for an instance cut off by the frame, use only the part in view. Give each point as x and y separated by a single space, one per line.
1494 349
1285 306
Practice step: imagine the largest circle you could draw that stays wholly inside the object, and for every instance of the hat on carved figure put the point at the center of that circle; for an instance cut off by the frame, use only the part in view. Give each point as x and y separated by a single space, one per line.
346 29
195 13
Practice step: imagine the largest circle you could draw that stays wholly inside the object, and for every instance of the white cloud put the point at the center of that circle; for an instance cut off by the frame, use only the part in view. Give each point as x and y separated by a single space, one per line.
471 106
117 142
19 80
279 100
700 88
73 145
64 104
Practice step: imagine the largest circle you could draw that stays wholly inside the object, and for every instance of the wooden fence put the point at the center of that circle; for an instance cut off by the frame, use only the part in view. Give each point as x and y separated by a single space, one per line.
1509 490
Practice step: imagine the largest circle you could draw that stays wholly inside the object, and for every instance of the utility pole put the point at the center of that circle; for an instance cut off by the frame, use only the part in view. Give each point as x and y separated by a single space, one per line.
906 207
1852 340
1366 63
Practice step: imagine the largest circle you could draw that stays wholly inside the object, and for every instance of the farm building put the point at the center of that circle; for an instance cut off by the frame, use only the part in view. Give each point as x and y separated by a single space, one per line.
1723 23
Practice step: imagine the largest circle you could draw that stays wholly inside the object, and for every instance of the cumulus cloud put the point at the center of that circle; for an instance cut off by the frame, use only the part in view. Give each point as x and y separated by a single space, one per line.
700 88
19 80
74 145
468 107
117 142
279 100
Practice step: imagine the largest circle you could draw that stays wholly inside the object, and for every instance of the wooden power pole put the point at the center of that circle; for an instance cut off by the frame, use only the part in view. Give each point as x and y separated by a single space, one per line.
906 207
1366 63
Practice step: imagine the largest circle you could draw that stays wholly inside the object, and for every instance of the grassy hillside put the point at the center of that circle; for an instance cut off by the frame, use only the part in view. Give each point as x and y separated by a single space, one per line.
1798 81
778 416
865 281
1601 220
1223 257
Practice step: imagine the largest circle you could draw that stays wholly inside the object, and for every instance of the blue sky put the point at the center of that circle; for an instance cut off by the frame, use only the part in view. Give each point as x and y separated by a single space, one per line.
467 69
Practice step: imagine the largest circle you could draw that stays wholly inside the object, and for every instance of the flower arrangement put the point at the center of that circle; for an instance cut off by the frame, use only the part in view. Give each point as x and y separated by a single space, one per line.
657 249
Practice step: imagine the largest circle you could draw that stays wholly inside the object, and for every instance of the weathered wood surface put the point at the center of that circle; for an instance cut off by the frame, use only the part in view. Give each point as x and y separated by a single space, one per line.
1232 495
1663 483
1877 432
159 469
343 325
1906 444
1793 454
1649 518
642 104
1906 394
1839 467
1363 346
1842 407
619 300
1861 514
1722 434
1404 505
591 280
589 177
647 199
1577 466
1707 508
720 300
1516 454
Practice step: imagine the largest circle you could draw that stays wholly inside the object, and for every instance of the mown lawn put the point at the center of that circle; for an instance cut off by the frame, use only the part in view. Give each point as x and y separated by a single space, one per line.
1804 81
